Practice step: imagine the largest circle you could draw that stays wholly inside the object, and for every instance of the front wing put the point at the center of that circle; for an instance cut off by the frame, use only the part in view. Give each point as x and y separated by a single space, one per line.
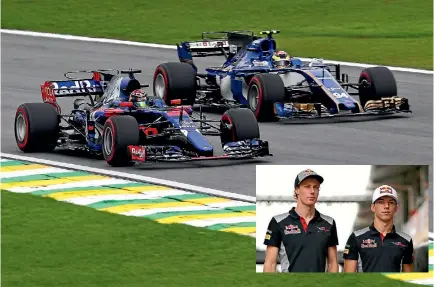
234 150
384 108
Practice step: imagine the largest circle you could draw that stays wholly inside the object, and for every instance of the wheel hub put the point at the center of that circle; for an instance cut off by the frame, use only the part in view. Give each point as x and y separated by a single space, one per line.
21 127
160 86
108 141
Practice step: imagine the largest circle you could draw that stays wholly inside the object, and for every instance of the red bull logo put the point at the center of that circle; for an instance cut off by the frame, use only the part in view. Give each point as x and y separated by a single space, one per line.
385 189
308 172
368 243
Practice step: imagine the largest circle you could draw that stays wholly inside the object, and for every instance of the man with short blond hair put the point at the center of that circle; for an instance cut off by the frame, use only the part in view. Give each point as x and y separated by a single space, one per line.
304 238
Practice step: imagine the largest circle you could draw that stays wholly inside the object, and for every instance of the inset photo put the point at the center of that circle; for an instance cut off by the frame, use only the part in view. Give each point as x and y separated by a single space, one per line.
344 218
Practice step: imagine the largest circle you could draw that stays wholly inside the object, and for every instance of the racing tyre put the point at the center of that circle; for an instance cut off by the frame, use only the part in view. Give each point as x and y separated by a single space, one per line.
119 132
381 84
265 90
175 81
238 125
36 127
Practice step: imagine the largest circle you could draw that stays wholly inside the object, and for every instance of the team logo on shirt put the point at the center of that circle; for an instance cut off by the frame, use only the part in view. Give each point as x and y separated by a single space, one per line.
268 234
399 244
368 243
292 229
322 228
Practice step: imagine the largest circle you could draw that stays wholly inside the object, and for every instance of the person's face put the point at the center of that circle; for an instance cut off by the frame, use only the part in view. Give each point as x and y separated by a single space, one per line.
308 191
384 208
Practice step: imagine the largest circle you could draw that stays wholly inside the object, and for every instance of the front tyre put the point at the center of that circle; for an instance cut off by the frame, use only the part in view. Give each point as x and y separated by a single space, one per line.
238 125
377 83
119 132
264 91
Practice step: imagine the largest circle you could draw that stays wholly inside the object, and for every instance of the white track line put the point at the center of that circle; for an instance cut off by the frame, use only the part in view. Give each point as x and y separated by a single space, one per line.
85 39
216 220
173 47
216 206
86 200
39 171
134 177
88 183
428 281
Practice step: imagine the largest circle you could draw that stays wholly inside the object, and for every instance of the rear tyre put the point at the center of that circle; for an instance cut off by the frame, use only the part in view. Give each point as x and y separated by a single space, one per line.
36 127
379 83
238 125
265 90
119 132
175 81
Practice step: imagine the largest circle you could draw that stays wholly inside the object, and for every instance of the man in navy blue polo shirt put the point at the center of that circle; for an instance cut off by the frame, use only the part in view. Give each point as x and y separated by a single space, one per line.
379 247
304 239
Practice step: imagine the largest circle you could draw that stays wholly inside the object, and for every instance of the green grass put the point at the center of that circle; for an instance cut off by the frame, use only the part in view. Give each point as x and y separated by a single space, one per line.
50 243
390 32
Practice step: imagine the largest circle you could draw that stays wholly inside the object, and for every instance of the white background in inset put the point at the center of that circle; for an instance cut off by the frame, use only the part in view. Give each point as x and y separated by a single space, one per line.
278 180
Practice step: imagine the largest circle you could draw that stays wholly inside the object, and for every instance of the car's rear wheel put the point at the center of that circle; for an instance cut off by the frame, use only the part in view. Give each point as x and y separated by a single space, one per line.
119 132
238 125
174 81
36 127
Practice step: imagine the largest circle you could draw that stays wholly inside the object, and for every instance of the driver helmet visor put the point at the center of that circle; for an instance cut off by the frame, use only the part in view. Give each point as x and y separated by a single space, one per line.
281 63
141 104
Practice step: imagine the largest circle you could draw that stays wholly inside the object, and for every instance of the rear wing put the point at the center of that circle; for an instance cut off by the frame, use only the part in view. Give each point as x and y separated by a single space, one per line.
76 87
219 43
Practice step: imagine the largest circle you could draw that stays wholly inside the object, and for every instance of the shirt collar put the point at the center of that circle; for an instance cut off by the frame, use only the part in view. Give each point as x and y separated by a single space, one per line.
295 215
374 231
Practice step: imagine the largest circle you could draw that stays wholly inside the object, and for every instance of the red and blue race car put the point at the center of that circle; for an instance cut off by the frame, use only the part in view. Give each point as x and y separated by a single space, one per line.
125 125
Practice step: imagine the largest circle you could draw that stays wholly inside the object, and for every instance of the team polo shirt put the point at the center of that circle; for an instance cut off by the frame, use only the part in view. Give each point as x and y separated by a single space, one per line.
378 253
302 247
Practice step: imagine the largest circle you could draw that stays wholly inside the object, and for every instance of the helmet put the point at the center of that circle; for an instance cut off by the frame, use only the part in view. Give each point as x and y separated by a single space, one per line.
281 59
138 96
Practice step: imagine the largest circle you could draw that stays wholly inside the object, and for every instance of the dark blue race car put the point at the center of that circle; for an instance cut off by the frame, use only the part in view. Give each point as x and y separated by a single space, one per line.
254 76
125 125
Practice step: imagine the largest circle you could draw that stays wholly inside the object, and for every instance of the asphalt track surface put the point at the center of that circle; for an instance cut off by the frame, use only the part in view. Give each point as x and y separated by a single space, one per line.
28 61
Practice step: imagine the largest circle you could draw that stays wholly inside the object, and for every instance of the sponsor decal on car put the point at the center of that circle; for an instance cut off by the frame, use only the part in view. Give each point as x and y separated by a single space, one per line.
138 153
